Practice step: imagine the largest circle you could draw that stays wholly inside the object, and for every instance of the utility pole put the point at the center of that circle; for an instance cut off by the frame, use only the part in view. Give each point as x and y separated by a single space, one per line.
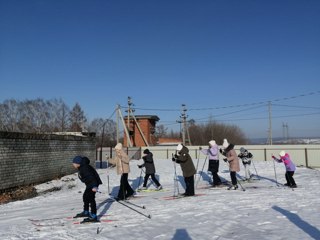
118 119
270 125
183 125
129 110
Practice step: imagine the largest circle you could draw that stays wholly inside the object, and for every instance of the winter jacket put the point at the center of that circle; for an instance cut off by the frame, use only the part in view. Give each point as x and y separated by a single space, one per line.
290 167
148 163
121 160
246 157
232 158
88 175
212 152
186 163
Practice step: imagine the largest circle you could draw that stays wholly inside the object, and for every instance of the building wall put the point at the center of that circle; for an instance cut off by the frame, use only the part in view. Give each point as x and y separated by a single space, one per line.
146 125
34 158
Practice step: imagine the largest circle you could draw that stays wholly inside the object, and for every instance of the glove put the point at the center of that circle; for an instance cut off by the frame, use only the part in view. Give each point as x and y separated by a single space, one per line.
273 157
173 159
176 156
225 160
220 150
139 166
200 148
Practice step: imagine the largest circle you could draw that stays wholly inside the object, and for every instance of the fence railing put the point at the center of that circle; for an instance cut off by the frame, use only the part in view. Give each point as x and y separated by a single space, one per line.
302 155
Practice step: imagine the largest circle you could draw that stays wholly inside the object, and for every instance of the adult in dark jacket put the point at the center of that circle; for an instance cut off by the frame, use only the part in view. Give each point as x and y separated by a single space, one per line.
188 170
89 176
150 169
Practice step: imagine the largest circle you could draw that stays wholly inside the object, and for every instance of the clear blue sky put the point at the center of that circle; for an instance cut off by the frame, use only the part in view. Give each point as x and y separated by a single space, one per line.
211 55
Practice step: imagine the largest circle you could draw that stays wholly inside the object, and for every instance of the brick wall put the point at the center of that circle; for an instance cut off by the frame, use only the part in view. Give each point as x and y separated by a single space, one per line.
34 158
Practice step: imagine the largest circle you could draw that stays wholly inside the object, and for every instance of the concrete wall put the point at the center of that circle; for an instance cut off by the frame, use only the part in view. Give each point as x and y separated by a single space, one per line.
34 158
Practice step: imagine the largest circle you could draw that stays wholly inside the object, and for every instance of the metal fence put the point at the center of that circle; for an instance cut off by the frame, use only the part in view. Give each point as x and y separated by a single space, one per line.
302 155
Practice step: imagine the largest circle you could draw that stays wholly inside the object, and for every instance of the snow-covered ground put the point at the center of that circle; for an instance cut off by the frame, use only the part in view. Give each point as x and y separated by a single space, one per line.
263 211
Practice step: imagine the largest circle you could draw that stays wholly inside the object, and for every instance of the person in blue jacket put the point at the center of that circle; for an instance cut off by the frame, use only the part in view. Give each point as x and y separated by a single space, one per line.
89 176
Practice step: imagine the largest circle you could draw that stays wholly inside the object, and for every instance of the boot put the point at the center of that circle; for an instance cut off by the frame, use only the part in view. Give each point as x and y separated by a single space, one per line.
92 218
82 214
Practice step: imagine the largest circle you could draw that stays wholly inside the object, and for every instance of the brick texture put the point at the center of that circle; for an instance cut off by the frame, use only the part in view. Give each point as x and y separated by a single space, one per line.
35 158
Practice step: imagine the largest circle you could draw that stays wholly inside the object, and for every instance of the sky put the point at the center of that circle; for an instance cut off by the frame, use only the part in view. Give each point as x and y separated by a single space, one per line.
225 60
263 211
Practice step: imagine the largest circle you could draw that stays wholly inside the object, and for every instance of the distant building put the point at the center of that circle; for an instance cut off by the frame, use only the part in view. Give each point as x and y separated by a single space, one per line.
147 125
168 141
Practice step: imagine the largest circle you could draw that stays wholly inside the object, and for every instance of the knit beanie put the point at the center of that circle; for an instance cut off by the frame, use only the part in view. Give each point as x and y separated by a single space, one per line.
179 147
118 146
77 160
225 143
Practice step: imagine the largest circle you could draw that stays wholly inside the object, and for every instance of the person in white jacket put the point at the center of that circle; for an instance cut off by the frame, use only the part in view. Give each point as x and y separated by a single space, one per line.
213 167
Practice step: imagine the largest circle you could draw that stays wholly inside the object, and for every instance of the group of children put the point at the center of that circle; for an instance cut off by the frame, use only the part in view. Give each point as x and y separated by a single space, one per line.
88 175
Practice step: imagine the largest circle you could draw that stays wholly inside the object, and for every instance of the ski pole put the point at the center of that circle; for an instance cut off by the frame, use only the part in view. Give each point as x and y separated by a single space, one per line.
255 169
141 213
175 182
108 177
198 161
136 205
205 160
275 173
243 189
140 178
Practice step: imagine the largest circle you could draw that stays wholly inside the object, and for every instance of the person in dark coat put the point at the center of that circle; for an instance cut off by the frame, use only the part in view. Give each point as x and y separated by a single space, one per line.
188 170
150 169
89 176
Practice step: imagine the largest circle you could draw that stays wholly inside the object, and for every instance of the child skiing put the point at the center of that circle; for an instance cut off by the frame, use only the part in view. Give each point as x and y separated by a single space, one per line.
290 168
246 158
89 176
213 167
187 167
232 159
150 169
121 161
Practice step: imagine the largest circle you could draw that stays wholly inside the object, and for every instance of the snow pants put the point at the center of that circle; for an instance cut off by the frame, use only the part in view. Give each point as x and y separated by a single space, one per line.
125 189
289 178
189 186
214 169
233 178
89 200
153 177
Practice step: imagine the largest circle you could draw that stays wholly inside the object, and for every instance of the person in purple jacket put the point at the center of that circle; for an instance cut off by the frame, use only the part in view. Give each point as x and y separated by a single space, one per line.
290 168
213 167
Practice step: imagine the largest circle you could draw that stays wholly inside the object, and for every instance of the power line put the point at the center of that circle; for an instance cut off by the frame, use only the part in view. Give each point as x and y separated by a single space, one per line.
232 106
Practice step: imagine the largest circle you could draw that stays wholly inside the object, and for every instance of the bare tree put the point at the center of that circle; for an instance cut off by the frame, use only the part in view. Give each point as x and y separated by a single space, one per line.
77 119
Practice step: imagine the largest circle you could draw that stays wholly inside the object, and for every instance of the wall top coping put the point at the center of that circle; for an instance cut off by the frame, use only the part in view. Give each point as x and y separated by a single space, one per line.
44 136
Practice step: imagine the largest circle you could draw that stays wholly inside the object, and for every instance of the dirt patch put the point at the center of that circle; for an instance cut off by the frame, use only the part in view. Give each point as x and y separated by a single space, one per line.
19 193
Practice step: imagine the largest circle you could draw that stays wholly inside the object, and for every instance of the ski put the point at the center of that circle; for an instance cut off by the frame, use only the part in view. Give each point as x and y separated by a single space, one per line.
62 221
182 196
98 221
152 190
222 185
